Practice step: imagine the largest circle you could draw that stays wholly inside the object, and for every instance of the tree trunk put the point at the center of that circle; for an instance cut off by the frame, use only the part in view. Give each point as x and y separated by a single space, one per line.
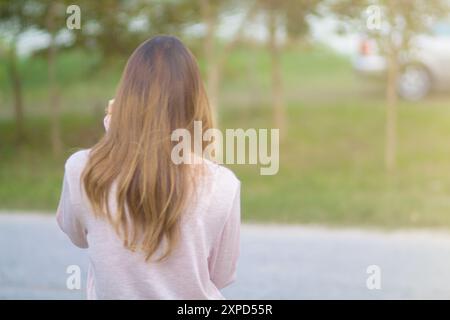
16 82
52 84
391 112
216 62
212 72
276 77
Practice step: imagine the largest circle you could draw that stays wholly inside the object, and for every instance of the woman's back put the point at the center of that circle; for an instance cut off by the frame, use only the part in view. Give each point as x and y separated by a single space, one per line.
155 227
203 261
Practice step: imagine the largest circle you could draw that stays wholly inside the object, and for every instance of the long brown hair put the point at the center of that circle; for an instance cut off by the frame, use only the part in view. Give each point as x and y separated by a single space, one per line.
161 90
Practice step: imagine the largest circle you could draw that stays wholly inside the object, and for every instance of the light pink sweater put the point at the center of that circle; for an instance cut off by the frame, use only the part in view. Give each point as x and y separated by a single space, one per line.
203 262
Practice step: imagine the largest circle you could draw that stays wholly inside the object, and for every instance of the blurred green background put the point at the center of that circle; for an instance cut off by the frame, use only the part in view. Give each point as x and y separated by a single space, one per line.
332 167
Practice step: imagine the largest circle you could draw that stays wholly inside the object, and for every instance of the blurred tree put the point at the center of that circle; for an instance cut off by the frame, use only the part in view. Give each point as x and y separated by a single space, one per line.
273 9
292 16
16 18
107 27
16 84
216 57
52 22
111 27
400 22
116 27
296 13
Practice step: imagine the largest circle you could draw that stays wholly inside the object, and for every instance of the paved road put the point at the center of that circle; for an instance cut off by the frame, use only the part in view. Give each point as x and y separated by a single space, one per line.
277 262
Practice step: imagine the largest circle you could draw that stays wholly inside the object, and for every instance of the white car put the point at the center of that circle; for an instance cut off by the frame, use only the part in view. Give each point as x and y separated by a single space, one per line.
427 69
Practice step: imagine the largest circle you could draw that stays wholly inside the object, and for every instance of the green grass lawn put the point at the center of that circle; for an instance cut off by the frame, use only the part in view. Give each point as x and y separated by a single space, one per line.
331 169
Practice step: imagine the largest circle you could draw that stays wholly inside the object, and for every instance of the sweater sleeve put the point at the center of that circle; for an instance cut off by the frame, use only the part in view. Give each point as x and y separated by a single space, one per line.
68 216
225 254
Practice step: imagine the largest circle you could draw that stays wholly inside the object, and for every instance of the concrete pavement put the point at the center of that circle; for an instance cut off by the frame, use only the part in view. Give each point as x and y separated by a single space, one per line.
277 262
